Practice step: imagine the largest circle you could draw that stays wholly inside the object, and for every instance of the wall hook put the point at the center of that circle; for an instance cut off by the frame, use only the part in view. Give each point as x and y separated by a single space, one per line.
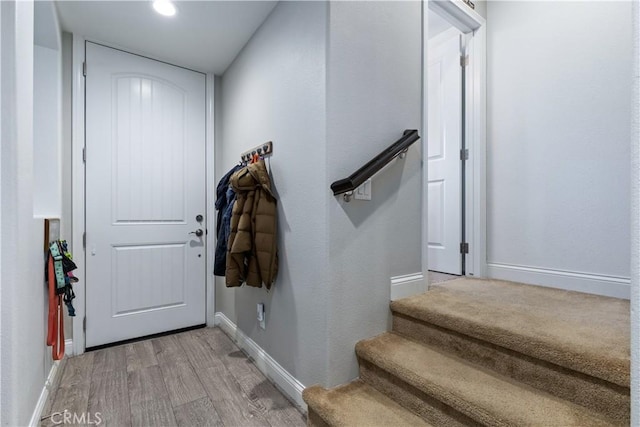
262 150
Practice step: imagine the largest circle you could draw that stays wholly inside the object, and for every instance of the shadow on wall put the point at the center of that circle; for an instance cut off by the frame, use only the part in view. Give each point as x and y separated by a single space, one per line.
283 224
281 294
385 185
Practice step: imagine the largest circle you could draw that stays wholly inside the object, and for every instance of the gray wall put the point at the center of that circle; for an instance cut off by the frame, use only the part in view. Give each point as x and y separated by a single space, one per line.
330 102
22 320
481 8
635 222
559 103
374 94
47 185
65 220
275 90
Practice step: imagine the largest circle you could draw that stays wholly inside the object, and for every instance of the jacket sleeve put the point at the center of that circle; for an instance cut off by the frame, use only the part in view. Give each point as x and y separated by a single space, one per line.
265 237
220 260
234 274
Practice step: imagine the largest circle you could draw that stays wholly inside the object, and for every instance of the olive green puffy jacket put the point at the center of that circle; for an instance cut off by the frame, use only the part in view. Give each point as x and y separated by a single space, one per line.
252 255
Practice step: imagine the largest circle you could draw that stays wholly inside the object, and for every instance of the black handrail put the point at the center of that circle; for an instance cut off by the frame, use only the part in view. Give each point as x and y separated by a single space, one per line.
356 179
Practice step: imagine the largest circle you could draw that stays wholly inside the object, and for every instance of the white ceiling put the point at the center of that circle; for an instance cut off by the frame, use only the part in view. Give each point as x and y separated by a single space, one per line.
203 35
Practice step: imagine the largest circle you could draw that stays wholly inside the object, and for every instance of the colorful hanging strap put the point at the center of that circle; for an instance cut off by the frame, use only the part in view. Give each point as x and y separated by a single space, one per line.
54 249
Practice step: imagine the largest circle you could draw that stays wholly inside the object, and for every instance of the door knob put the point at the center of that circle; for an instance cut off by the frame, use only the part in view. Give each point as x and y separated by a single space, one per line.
198 232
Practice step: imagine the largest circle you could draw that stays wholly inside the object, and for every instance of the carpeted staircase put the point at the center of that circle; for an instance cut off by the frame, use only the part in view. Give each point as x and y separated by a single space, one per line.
485 352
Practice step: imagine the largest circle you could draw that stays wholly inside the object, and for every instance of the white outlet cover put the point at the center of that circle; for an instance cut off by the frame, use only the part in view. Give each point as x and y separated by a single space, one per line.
364 191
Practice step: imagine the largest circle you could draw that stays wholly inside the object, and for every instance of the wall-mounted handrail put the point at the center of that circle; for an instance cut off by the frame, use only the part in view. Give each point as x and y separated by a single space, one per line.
356 179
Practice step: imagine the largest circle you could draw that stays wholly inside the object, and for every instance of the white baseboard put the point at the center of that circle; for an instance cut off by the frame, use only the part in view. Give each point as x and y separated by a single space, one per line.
286 382
44 395
617 287
68 347
407 285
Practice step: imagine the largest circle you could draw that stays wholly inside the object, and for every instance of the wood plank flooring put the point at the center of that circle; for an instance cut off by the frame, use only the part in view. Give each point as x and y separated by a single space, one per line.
194 378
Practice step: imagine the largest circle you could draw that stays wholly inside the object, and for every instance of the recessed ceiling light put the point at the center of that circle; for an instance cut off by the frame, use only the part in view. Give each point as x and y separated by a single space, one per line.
164 7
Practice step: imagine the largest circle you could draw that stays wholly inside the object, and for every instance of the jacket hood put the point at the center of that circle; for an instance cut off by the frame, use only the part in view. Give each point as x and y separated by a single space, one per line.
252 176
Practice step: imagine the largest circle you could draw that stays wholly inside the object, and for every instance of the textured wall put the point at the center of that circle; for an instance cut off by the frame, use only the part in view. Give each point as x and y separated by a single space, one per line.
330 102
275 90
481 8
47 173
635 223
373 95
22 330
558 131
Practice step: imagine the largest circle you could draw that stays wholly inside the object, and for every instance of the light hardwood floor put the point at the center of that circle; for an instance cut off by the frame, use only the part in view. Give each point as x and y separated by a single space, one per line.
194 378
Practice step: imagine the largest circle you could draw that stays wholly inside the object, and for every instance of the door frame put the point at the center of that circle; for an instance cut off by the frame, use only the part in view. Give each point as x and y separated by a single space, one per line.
78 185
466 20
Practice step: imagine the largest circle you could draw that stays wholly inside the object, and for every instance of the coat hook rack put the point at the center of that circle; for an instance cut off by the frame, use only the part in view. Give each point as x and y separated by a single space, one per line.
265 149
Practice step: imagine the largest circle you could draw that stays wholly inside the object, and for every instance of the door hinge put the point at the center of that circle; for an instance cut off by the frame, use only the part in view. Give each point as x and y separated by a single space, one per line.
84 155
469 3
464 248
84 240
84 324
84 69
464 61
464 154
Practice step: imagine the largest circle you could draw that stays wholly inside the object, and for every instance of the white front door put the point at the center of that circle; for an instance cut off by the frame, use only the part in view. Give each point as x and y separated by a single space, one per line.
444 143
145 185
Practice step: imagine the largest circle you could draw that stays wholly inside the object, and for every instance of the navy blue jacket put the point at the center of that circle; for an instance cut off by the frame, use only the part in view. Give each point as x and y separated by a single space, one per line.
225 197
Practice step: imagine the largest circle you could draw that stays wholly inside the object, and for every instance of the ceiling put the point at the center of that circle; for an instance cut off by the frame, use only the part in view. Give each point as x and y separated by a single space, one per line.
203 35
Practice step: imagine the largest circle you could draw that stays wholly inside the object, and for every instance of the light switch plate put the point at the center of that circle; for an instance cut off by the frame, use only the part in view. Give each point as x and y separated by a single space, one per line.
364 191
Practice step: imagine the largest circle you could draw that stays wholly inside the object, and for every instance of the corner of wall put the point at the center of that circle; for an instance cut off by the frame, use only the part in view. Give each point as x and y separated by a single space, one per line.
371 241
275 90
635 222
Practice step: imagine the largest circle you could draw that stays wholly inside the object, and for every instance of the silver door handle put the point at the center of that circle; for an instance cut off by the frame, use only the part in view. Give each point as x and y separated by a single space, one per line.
198 232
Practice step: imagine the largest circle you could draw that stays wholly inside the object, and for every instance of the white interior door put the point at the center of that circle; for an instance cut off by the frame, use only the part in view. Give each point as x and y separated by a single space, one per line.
145 185
444 143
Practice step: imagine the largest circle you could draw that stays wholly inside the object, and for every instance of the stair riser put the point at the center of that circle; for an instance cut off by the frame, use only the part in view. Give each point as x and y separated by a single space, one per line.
423 405
315 420
602 396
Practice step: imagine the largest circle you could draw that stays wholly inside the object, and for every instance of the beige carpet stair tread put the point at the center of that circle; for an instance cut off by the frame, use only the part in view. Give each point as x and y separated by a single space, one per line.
358 404
480 394
586 333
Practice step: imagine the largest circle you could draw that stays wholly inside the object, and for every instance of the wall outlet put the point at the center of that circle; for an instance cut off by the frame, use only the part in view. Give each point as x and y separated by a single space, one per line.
261 315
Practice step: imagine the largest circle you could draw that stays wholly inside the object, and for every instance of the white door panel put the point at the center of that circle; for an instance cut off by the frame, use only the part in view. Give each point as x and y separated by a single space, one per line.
145 184
444 143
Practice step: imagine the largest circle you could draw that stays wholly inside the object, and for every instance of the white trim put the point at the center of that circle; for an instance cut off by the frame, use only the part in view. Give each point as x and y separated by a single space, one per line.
210 213
286 382
458 14
137 52
407 285
476 171
424 120
44 395
611 286
68 347
77 189
467 21
78 184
